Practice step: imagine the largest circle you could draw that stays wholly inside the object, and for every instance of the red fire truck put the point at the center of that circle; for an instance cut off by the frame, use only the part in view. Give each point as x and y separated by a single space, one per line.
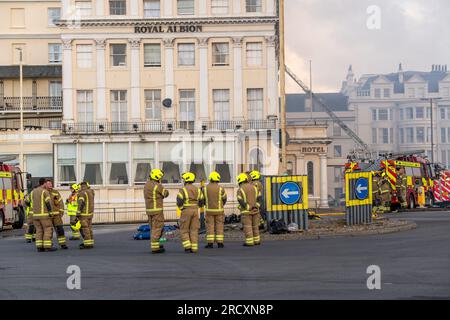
11 195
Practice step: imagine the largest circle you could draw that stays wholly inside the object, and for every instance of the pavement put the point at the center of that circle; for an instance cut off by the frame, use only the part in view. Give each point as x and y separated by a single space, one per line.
414 265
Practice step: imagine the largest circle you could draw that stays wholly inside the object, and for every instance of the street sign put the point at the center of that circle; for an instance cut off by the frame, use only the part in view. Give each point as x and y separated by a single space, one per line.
362 188
290 193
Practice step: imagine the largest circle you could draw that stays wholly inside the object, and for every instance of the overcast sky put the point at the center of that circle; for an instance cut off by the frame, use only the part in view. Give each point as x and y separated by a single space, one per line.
334 34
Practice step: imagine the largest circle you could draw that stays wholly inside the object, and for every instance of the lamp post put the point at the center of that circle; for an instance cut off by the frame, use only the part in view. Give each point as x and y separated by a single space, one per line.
21 107
432 125
282 89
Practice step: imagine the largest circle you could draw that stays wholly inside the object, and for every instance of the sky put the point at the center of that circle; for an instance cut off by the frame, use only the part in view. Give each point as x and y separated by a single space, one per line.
334 34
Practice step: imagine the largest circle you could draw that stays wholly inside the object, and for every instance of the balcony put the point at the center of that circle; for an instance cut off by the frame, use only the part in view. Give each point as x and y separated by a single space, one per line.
52 123
31 104
156 126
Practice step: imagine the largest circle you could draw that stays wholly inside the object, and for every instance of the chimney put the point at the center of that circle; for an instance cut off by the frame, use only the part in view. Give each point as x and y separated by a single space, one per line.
400 73
433 67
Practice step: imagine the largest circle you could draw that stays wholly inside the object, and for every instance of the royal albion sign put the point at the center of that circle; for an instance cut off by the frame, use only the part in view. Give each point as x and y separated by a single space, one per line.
168 29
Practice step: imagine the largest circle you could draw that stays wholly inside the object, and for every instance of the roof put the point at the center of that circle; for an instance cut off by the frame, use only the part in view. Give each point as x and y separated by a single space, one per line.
39 71
432 78
335 100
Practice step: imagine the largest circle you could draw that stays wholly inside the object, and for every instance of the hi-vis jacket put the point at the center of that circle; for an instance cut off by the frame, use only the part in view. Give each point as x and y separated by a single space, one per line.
86 202
189 197
40 200
56 203
215 198
72 204
28 205
249 198
258 185
154 194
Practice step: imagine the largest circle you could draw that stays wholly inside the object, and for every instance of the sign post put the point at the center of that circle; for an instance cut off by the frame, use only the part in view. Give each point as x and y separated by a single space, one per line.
358 198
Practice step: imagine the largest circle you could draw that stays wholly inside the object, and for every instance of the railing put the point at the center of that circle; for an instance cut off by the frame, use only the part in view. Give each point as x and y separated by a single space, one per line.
156 126
363 93
31 104
31 124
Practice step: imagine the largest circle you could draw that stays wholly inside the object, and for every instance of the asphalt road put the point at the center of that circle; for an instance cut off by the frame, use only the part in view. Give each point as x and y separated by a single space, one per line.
414 264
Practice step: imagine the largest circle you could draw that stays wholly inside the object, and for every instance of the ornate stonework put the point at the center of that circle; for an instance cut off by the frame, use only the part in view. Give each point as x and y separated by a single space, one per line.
237 41
100 43
168 42
271 40
67 44
203 42
135 43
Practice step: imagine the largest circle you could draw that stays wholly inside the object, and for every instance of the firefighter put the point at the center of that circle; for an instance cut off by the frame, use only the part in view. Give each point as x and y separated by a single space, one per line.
385 193
402 183
57 214
215 199
30 235
189 199
154 194
72 208
256 181
376 195
42 208
86 198
249 199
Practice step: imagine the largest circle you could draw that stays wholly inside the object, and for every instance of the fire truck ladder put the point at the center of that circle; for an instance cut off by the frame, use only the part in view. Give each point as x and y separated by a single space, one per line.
361 144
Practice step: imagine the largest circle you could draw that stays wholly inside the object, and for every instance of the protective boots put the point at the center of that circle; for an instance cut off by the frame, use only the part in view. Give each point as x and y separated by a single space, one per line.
220 245
209 246
161 250
83 246
63 246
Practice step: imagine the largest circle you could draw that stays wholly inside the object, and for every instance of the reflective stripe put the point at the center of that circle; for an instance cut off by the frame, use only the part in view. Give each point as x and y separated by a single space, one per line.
153 210
206 198
154 196
186 197
220 198
187 244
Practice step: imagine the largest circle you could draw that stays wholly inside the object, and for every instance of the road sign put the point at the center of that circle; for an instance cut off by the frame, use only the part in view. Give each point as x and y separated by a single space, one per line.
362 188
290 193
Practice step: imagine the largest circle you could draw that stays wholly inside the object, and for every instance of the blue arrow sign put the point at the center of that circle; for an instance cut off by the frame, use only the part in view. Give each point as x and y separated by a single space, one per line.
290 193
362 188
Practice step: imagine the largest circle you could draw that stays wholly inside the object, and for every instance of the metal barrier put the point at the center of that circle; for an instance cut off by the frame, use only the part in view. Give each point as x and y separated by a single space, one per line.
286 198
358 198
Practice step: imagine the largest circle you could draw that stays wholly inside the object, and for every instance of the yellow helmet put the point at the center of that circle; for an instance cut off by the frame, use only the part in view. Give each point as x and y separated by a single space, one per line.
188 177
156 174
75 187
77 226
255 175
243 177
214 176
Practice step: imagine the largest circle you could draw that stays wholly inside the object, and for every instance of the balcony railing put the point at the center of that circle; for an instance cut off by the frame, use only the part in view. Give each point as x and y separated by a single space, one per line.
31 124
31 104
156 126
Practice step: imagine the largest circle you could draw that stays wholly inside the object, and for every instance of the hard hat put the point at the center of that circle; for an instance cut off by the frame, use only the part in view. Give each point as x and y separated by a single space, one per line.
243 177
255 175
75 187
214 176
156 174
188 177
77 226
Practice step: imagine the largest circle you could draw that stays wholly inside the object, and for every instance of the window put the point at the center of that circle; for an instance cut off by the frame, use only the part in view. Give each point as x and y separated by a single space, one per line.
383 114
187 108
40 166
420 135
152 55
411 93
85 106
337 174
401 133
409 135
83 8
152 104
17 17
256 160
186 7
443 135
92 163
374 115
428 112
448 134
55 93
419 112
374 136
84 56
117 7
402 114
117 165
54 53
387 93
253 5
171 160
391 135
444 157
442 112
118 55
310 173
197 158
221 54
377 93
254 53
337 131
152 8
66 163
255 104
223 159
53 14
221 102
421 92
428 134
219 6
186 54
384 135
143 161
337 151
119 112
409 113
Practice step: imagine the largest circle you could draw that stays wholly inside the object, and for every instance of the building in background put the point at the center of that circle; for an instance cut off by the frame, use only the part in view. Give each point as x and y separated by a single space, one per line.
29 26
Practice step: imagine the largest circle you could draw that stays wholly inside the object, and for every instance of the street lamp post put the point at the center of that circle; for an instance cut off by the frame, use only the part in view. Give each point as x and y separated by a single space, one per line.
21 107
432 125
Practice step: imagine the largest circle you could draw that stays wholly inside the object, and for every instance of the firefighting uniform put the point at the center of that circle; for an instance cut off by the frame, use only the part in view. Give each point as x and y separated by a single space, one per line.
31 231
249 203
72 208
85 214
215 198
385 193
154 194
57 214
40 199
189 199
259 186
402 183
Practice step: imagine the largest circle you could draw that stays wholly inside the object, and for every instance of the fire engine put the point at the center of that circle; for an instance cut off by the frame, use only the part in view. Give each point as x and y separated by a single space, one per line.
11 195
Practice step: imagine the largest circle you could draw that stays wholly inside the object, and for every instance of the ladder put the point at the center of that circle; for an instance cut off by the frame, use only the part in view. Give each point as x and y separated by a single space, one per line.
364 148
